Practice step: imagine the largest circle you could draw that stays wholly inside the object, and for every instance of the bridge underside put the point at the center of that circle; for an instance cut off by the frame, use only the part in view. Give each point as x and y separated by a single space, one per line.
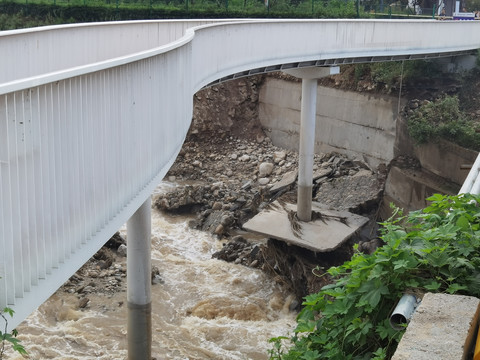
340 61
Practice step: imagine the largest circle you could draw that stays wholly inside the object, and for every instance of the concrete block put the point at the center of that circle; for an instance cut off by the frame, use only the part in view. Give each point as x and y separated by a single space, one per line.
446 159
328 229
409 189
442 328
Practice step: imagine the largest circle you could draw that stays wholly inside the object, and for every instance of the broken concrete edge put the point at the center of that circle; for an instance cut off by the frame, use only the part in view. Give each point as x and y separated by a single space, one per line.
326 232
287 180
444 327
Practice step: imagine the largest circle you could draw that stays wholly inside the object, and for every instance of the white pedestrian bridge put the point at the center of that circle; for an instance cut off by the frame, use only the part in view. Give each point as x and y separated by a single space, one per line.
93 115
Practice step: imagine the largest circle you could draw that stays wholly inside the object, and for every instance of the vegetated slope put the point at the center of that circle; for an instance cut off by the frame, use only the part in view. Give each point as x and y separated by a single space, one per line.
439 104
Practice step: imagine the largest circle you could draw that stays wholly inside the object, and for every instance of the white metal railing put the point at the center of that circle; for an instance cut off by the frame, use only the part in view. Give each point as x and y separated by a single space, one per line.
472 182
93 115
43 50
77 157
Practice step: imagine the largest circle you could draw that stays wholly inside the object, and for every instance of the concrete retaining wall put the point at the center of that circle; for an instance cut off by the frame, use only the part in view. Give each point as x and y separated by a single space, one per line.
409 188
444 159
440 171
347 122
365 126
442 328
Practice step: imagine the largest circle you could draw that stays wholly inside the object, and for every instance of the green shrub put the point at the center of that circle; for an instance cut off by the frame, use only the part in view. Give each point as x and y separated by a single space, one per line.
389 73
443 119
386 72
37 12
336 9
9 337
360 71
435 249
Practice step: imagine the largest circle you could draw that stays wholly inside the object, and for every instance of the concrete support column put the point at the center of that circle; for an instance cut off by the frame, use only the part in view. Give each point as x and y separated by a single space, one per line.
309 78
306 150
139 327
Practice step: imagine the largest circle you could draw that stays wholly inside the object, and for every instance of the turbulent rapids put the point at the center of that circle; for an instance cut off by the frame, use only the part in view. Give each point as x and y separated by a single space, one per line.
202 309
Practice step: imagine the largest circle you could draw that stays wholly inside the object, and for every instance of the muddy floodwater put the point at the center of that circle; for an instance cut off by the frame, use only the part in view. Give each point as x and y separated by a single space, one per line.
204 309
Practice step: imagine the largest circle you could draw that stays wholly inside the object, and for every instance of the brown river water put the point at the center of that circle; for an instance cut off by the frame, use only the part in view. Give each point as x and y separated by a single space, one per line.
205 309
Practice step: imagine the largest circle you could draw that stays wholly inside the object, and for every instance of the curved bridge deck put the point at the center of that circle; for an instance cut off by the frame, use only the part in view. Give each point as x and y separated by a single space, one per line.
93 115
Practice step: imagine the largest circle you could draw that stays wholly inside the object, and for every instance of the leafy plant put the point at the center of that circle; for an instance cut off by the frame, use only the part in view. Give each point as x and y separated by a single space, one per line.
390 73
386 72
9 338
336 9
21 13
435 249
360 71
443 119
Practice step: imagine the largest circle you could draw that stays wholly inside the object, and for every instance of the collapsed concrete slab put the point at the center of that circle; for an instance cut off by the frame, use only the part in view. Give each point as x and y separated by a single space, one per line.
327 231
287 181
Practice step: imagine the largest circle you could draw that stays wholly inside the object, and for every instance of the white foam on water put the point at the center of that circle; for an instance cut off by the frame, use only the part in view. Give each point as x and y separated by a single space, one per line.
205 309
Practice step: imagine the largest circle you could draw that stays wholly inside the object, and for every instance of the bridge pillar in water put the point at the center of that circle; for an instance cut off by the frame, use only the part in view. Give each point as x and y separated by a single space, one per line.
139 282
306 151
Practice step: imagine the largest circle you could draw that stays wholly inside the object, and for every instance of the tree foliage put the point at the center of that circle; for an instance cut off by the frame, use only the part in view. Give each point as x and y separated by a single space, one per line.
389 75
20 13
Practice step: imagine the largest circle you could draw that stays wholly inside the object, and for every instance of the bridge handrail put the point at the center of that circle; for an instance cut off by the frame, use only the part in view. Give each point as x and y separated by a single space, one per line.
186 31
472 182
84 48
